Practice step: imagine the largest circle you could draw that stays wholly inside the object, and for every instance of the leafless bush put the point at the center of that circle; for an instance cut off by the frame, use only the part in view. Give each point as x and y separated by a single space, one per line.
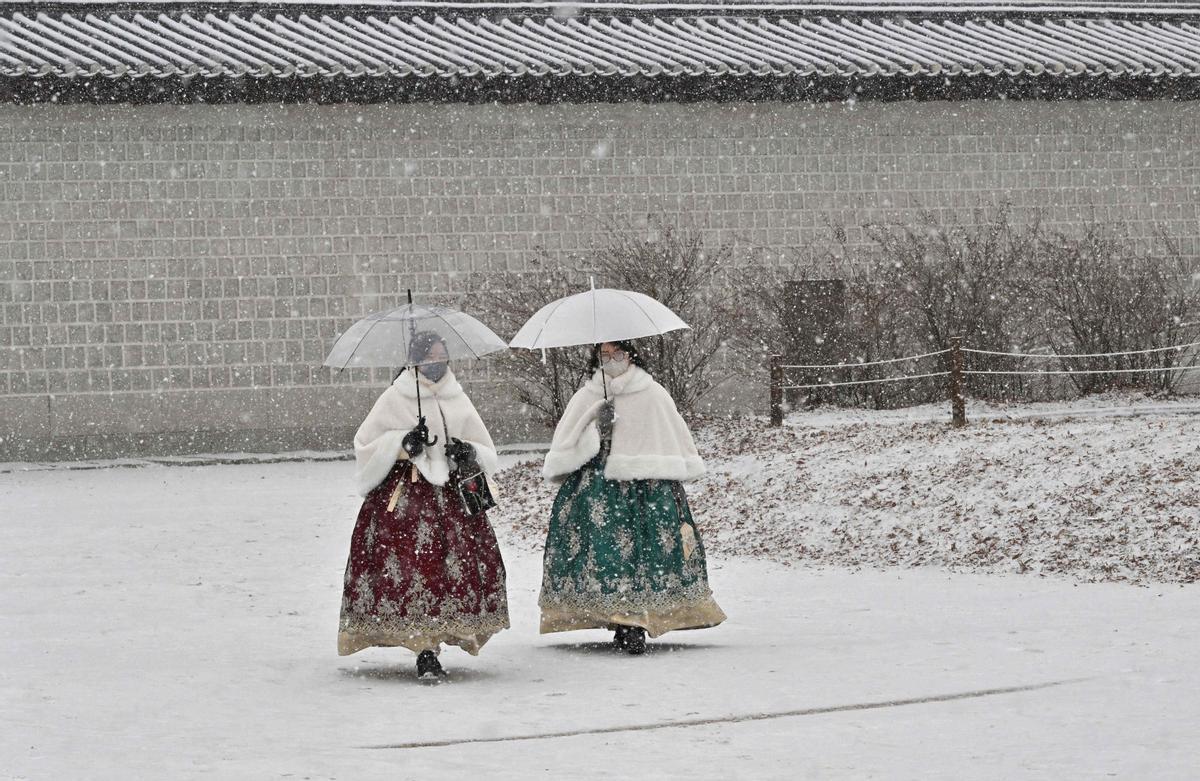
772 318
907 293
542 381
677 267
1004 287
956 279
1099 293
671 264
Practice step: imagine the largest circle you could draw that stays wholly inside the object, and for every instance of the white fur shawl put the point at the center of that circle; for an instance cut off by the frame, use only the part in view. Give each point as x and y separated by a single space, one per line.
377 443
650 440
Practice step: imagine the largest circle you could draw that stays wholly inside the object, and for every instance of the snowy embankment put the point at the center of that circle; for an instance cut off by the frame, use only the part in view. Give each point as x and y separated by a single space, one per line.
1103 489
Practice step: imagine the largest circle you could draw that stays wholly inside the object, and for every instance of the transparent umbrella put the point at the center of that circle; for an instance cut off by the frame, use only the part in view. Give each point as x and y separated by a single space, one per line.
381 338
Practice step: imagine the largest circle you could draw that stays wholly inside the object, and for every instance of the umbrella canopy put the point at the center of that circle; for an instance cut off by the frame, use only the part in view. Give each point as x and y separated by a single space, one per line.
596 316
381 338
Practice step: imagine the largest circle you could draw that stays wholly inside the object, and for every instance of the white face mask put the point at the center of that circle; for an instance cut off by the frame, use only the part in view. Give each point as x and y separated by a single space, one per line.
614 368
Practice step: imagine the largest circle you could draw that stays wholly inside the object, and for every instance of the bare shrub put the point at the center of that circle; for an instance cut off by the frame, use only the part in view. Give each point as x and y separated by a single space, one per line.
956 279
1004 288
671 264
678 268
543 381
771 315
1099 293
908 292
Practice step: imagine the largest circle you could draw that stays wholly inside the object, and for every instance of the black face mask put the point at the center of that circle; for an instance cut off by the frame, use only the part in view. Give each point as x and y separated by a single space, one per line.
434 372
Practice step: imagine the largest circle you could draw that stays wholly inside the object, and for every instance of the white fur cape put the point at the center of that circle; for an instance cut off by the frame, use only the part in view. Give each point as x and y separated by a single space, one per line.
377 443
650 440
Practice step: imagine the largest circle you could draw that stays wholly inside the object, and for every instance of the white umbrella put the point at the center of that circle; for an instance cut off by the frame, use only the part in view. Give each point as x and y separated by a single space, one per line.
596 316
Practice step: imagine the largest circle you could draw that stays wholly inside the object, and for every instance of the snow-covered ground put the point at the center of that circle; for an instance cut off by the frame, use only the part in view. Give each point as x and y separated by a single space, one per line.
169 622
1101 489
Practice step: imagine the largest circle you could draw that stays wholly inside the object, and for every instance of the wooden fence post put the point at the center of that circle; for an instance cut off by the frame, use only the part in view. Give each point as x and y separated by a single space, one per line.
958 402
776 402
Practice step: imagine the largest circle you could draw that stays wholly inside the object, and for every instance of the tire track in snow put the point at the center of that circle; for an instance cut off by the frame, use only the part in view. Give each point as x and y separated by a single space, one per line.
861 706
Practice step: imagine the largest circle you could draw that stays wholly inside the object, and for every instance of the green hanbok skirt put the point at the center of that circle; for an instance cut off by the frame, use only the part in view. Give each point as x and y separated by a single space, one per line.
624 553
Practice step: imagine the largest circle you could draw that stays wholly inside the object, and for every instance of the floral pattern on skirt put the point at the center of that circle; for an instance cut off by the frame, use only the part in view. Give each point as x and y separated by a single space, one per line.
624 553
421 573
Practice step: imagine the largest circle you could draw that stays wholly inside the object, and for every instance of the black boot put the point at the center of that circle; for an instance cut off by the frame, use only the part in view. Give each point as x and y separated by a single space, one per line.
620 641
428 664
635 641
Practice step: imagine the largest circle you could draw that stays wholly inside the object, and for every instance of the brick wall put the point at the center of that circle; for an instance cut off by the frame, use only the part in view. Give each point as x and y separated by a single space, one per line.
172 276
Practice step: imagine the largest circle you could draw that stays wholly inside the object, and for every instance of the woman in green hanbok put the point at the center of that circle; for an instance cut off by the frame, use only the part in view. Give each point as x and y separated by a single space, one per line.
623 552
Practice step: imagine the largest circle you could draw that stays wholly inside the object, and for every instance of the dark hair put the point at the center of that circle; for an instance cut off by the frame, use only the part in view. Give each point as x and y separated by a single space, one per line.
421 343
628 347
419 346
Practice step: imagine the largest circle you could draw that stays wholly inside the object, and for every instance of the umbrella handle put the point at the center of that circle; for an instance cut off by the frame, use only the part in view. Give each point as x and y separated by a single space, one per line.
422 425
421 415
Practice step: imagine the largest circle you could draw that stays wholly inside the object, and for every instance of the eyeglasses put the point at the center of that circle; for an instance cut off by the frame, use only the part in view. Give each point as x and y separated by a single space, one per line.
615 355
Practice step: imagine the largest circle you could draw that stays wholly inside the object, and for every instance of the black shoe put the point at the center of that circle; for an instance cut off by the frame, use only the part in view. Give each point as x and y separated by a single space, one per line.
428 664
635 641
620 641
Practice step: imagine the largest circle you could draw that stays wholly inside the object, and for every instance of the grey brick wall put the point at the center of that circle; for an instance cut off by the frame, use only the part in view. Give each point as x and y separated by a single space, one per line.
171 276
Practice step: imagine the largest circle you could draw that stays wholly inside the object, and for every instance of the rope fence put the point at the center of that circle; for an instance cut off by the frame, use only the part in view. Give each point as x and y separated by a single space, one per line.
1088 371
956 372
865 363
867 382
1070 356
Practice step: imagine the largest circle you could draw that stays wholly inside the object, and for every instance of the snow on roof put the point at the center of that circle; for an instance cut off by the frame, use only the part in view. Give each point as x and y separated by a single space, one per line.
438 42
813 6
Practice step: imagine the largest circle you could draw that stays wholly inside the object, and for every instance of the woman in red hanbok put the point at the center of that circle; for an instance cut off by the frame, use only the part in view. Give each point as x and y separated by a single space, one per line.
423 571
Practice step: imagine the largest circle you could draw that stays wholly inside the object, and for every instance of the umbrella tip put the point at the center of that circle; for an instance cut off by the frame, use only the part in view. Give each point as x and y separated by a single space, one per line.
410 295
593 281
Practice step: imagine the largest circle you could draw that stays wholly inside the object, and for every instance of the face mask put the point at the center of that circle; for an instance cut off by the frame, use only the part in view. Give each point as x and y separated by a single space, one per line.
614 368
434 372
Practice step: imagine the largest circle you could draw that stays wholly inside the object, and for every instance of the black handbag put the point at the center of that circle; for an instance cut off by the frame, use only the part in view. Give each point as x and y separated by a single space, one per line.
473 491
472 485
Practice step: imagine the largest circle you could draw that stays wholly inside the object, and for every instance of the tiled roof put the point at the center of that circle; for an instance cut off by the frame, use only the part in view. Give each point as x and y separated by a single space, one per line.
488 41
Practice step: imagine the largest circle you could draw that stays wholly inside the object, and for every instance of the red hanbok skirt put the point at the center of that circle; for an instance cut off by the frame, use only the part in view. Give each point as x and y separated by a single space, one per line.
422 572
